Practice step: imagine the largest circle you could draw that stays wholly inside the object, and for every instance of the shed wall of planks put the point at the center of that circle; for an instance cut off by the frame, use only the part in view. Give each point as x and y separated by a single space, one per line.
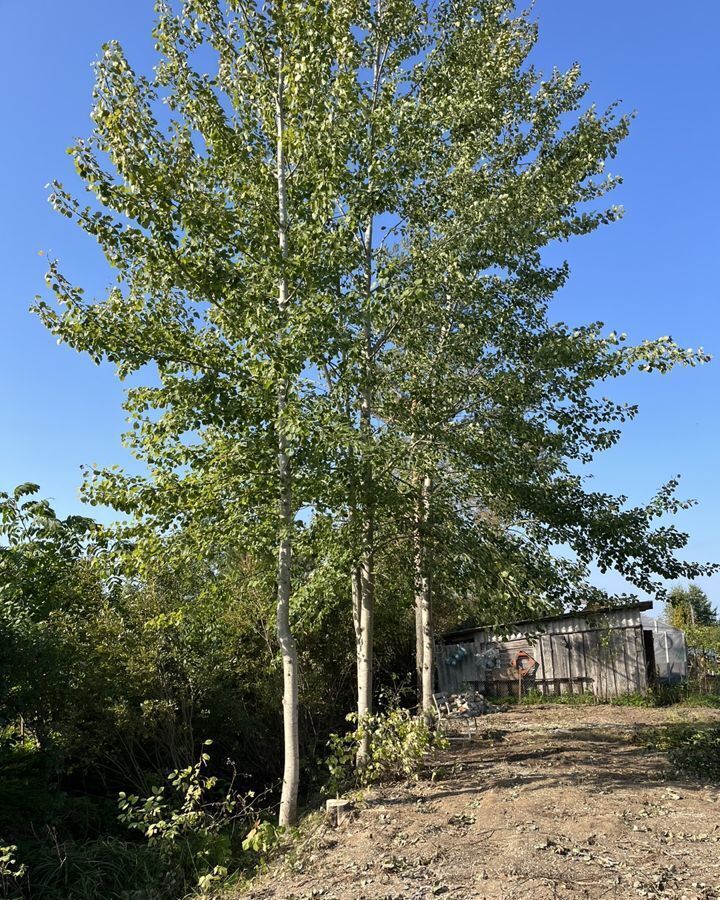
602 654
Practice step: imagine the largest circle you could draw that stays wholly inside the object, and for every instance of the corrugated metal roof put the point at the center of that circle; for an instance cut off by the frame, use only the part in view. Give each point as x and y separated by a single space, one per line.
640 606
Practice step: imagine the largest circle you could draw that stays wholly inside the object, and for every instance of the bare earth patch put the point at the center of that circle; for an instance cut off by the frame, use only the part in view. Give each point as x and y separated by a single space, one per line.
544 802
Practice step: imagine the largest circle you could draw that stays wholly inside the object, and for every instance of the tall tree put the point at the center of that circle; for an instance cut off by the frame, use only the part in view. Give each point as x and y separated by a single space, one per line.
330 276
481 389
687 606
221 221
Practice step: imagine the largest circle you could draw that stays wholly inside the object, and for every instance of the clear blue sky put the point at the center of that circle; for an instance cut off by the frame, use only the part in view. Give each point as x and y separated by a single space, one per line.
655 273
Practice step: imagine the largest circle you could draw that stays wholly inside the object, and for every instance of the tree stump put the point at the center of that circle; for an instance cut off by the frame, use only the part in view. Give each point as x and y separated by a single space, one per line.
338 812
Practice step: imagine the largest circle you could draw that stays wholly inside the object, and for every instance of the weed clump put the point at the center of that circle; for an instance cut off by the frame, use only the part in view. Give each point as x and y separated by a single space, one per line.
692 750
399 747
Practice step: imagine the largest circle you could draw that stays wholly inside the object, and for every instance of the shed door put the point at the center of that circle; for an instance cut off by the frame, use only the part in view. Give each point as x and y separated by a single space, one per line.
649 641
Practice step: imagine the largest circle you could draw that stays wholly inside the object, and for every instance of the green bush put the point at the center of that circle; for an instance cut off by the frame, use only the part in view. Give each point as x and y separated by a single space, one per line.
191 823
399 747
698 754
692 750
11 870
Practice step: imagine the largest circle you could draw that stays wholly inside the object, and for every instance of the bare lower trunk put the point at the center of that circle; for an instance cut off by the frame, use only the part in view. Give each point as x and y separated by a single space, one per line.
424 639
418 636
367 589
417 587
428 648
365 638
356 586
291 771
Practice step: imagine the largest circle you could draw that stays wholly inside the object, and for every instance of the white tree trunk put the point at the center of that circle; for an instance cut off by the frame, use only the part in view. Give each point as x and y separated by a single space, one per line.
291 772
418 635
366 628
356 587
365 644
417 587
424 638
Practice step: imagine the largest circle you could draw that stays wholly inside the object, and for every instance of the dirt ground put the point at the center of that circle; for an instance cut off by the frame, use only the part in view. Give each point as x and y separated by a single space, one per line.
543 802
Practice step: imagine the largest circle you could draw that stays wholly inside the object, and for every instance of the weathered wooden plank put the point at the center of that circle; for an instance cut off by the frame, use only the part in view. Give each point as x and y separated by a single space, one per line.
576 663
560 657
636 659
552 684
584 664
626 682
593 661
617 651
642 662
569 642
540 656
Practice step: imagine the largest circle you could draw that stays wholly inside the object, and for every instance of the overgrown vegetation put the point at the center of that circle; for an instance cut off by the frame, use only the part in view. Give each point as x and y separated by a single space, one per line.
687 607
110 683
692 750
658 695
401 746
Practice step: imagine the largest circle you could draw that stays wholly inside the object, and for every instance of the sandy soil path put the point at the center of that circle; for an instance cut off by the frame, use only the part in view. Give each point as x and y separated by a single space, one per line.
544 802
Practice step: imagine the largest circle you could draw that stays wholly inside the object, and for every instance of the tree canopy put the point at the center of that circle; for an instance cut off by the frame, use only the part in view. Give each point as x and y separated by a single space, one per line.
690 605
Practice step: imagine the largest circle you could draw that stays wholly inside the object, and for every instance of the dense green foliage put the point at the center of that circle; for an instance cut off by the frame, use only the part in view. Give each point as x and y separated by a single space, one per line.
111 682
690 609
690 606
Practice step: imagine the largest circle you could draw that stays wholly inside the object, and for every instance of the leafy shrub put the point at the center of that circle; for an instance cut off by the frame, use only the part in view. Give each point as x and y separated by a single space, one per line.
189 822
698 754
11 871
399 745
692 750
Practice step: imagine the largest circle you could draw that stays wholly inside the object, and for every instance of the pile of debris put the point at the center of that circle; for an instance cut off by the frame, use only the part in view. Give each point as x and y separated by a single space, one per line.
471 704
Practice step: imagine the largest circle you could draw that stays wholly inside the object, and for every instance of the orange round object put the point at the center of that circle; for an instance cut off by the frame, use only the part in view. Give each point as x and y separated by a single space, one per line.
524 662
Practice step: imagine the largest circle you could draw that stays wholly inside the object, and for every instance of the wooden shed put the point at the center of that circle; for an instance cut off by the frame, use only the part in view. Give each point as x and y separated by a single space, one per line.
602 651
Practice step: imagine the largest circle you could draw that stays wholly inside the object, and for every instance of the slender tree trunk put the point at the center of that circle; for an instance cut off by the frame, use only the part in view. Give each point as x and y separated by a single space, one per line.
356 587
367 565
428 660
418 634
291 772
424 638
417 589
